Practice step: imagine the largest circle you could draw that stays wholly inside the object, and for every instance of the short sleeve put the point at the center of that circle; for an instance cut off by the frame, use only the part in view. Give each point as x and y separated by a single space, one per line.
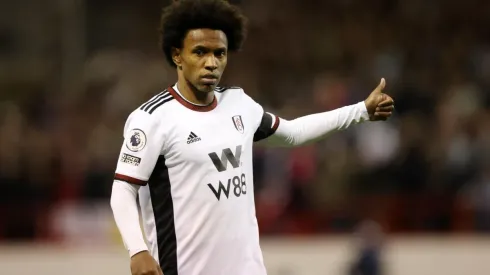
266 122
141 148
267 127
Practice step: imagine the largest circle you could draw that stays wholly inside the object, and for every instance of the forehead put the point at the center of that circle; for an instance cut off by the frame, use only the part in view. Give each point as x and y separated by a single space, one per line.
206 38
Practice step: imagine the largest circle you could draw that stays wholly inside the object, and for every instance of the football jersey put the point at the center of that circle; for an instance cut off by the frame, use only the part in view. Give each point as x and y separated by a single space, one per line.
194 164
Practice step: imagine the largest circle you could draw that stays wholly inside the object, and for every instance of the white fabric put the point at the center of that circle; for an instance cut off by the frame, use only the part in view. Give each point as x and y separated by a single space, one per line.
199 203
125 210
216 230
309 128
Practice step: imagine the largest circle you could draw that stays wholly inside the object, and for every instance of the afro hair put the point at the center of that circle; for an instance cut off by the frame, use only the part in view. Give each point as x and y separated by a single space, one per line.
182 16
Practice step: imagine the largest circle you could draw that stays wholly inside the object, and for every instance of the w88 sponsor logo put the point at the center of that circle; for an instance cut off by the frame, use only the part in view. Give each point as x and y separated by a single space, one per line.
236 184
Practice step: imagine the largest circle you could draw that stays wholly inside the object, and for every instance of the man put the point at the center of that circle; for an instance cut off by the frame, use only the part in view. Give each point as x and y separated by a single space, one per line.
188 152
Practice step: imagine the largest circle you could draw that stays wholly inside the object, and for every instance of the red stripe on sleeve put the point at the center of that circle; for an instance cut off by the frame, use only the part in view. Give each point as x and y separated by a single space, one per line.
129 179
276 123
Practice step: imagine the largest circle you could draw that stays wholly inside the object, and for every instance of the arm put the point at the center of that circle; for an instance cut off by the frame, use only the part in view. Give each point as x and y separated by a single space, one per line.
313 127
281 132
125 209
143 143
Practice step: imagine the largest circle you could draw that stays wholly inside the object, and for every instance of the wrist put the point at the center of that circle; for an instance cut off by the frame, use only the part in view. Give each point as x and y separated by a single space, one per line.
362 107
134 252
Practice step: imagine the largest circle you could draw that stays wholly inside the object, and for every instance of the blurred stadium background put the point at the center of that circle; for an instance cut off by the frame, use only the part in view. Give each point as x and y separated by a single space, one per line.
411 195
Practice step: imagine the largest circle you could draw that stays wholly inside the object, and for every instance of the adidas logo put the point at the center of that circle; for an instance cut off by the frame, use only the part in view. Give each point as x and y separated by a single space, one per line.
193 138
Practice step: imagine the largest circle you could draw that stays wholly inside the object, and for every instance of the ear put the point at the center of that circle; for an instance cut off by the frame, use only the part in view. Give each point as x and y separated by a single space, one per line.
176 57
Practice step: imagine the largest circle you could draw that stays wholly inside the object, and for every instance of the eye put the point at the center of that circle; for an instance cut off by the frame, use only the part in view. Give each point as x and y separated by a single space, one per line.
199 52
221 53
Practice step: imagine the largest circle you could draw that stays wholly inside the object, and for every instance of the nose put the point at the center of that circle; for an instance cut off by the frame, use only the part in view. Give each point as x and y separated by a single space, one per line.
211 63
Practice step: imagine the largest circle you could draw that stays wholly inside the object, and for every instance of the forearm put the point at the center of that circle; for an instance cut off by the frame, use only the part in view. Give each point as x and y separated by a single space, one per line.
125 209
317 126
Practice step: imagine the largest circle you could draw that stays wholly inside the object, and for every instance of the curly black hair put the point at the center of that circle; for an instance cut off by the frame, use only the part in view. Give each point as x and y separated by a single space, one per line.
185 15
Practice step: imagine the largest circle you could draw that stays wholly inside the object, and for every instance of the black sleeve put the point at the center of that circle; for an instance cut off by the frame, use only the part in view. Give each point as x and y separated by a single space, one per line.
267 127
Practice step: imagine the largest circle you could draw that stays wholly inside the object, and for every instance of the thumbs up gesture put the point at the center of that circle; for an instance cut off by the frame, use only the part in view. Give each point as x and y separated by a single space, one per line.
380 106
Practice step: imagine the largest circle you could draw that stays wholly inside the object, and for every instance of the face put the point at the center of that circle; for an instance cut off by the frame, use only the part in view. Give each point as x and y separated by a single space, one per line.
202 59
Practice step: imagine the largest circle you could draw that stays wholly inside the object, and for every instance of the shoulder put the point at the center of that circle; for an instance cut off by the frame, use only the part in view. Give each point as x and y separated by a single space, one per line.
237 93
155 104
147 112
230 93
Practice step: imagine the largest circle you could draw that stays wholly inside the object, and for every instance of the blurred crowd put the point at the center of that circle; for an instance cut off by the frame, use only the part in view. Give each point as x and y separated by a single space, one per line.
72 73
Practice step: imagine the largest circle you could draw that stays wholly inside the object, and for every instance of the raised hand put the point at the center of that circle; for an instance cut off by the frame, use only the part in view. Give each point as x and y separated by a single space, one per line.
379 105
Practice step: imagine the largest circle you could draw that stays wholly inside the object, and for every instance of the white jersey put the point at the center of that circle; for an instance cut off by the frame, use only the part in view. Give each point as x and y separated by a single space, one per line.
195 166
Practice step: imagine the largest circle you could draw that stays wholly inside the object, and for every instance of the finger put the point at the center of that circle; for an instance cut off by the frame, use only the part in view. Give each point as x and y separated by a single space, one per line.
381 86
385 109
387 102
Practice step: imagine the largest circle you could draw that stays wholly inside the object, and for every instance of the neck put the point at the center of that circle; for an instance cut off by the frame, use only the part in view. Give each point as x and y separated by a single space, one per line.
191 94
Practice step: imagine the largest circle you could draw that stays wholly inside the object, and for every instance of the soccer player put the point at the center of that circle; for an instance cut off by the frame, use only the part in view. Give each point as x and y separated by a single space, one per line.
186 162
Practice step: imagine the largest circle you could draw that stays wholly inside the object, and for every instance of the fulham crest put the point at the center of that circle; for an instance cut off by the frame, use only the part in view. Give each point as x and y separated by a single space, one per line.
237 121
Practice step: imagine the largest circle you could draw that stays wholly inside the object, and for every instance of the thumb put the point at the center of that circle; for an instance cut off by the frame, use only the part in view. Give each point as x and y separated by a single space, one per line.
381 86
